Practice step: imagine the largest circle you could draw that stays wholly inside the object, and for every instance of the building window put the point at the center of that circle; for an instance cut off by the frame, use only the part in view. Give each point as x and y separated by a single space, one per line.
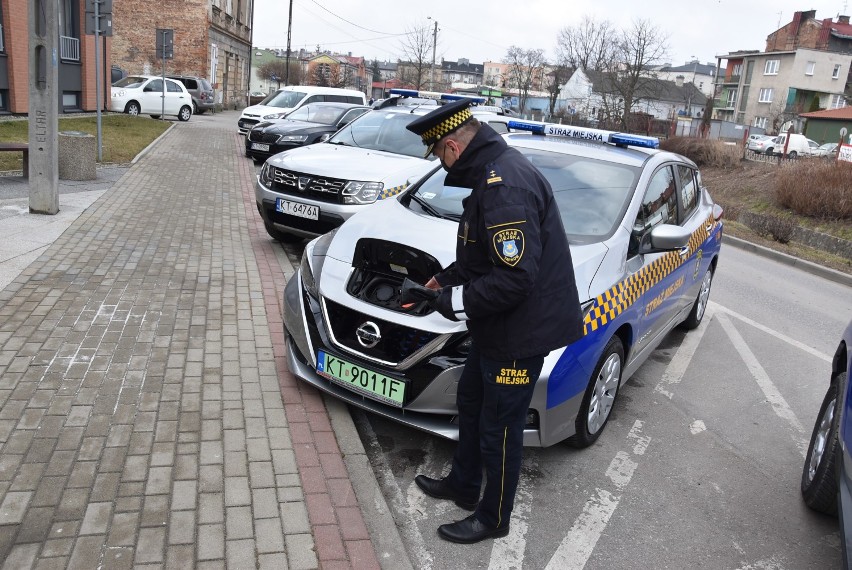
837 102
70 100
2 42
765 95
809 68
771 67
738 69
760 122
4 98
836 73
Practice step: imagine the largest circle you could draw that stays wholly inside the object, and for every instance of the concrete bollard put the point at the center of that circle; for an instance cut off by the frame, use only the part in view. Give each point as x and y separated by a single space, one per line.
77 155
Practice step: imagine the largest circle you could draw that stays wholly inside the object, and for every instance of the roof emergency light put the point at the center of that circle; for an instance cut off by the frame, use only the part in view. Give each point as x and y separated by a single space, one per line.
585 133
433 95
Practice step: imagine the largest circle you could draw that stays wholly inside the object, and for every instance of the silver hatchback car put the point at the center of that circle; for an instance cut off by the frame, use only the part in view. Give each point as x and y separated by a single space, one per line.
645 237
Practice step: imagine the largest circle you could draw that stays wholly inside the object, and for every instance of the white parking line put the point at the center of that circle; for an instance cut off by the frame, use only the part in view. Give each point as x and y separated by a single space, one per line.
779 405
674 372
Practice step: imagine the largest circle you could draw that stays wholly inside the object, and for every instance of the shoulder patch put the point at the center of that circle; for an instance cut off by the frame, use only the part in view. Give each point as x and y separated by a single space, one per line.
509 246
493 175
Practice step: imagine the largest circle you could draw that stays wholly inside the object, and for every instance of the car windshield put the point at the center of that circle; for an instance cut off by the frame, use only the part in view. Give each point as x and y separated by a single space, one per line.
382 130
592 194
130 82
317 113
828 146
284 99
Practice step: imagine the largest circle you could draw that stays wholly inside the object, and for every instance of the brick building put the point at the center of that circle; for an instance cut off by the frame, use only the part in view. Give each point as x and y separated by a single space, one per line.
77 90
212 39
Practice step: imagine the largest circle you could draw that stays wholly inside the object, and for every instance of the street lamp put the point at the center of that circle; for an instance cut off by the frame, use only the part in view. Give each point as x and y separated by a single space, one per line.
434 45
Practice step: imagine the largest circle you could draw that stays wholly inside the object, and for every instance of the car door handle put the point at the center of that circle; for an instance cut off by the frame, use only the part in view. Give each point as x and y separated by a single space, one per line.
709 227
684 251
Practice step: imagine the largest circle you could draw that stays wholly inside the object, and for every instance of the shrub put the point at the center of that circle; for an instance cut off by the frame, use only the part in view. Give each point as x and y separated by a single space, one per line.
704 152
817 188
779 229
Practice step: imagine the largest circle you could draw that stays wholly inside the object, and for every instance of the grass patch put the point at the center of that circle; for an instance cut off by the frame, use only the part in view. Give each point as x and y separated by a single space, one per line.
704 152
123 136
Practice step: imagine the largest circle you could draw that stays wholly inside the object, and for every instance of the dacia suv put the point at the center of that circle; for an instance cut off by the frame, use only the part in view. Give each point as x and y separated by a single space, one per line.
201 91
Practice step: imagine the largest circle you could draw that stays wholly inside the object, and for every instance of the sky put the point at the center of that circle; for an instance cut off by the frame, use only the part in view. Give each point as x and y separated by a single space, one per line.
484 31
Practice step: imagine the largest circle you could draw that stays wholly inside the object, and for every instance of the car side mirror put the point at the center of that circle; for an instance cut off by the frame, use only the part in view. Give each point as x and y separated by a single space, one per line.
665 237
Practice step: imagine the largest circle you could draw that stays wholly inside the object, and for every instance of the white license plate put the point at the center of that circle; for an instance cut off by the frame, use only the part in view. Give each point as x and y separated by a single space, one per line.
297 209
260 147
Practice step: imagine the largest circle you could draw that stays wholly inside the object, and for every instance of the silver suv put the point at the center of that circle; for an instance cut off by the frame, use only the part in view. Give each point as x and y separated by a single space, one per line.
202 92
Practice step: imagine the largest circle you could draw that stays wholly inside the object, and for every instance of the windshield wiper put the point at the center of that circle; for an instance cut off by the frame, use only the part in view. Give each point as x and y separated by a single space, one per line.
426 206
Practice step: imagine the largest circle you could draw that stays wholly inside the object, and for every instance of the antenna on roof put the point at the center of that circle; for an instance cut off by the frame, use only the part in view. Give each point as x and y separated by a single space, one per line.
778 27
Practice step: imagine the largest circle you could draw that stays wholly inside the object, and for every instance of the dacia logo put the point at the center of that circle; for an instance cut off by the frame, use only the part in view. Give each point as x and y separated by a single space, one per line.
303 182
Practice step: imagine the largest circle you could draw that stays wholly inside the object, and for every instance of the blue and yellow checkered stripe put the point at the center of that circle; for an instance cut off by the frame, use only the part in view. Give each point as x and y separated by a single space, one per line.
390 192
614 301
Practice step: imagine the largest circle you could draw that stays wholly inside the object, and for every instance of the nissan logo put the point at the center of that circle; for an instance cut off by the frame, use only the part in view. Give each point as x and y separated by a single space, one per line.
368 334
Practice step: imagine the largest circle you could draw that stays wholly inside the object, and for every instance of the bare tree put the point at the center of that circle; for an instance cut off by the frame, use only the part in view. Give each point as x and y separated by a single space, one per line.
557 77
276 70
641 46
417 47
588 45
330 75
524 64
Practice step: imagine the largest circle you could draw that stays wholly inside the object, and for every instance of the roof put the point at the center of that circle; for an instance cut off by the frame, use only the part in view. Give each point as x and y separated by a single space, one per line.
650 89
842 114
839 29
702 68
462 66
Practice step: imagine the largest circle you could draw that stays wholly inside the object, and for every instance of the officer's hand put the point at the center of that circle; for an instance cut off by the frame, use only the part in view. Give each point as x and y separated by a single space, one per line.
433 284
411 292
443 303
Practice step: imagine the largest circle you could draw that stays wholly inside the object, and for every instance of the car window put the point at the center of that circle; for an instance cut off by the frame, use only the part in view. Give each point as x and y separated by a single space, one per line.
499 127
382 131
351 115
190 83
659 204
688 190
173 87
155 85
315 99
592 195
130 82
285 99
316 113
352 99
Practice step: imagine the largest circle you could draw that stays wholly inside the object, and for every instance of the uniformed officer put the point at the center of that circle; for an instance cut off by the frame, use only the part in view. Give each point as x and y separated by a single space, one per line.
513 282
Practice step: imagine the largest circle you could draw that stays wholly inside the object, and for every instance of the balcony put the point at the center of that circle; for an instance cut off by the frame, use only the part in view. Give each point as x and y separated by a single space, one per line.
729 80
69 48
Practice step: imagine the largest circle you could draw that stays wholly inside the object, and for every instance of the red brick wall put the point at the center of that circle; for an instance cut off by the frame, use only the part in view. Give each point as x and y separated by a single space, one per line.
134 35
17 44
786 38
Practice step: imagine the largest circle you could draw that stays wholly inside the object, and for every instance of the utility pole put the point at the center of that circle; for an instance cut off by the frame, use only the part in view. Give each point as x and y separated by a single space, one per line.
44 107
289 35
434 45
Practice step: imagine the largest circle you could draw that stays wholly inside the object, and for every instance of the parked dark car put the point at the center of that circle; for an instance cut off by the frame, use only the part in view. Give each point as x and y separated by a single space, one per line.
306 125
827 474
201 91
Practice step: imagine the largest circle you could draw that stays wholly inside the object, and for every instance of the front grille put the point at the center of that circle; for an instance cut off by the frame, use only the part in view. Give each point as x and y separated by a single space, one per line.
269 138
397 342
247 123
298 184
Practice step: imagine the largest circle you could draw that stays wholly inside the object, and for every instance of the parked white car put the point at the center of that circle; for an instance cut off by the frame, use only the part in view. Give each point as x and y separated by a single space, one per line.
144 95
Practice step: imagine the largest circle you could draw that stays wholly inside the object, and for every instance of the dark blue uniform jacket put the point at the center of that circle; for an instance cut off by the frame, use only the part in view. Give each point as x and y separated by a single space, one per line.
513 272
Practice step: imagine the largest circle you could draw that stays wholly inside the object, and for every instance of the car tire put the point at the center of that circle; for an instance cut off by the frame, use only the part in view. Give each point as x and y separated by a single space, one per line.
770 151
819 480
132 108
194 108
699 307
155 116
185 113
278 235
792 154
600 395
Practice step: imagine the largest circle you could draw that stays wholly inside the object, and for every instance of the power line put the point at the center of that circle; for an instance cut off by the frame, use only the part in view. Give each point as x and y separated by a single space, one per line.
347 21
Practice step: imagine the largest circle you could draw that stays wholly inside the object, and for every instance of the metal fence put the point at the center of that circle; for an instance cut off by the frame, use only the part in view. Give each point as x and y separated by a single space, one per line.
69 48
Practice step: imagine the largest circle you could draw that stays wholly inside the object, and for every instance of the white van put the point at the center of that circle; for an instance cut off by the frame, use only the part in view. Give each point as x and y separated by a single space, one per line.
286 99
798 146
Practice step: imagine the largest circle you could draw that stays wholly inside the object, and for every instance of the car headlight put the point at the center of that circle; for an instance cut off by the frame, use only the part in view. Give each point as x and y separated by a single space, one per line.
266 175
274 116
361 192
307 274
293 138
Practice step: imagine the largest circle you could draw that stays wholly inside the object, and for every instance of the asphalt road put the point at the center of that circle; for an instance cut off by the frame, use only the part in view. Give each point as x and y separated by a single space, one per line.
699 466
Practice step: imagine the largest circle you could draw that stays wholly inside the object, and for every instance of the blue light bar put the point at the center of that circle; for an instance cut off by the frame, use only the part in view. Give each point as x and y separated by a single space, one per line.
433 95
584 133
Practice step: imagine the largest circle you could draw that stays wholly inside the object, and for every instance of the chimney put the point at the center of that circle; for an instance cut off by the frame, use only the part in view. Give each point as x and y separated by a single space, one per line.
679 80
843 20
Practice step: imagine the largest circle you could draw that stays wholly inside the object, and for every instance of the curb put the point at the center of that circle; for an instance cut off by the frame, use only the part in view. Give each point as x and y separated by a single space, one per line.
384 533
810 267
145 150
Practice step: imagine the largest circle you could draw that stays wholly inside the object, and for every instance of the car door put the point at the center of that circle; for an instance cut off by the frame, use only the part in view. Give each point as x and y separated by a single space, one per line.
176 97
152 97
658 273
697 218
350 116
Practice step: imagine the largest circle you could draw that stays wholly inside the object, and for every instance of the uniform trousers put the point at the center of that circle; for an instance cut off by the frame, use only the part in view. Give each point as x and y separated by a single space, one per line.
493 398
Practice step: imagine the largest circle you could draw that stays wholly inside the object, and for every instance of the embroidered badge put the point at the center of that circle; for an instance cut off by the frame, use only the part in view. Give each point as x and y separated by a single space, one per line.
509 246
493 177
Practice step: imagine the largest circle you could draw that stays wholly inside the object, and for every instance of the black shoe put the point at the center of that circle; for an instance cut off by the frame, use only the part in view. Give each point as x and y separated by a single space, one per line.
470 530
439 489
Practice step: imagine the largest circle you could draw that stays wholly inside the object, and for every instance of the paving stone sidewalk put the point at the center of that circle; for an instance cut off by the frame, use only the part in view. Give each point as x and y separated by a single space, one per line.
147 419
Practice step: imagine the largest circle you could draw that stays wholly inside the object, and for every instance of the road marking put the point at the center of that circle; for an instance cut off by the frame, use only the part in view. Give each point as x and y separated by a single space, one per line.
674 372
508 553
769 331
779 405
578 545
